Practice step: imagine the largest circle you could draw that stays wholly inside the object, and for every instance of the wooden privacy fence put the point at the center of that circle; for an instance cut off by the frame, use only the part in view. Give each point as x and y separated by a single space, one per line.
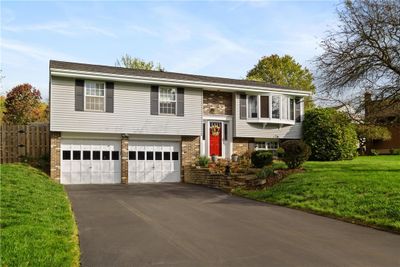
19 141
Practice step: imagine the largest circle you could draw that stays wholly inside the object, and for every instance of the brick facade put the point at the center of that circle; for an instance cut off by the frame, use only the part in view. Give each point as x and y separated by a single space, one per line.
124 159
384 147
217 103
242 145
190 148
55 148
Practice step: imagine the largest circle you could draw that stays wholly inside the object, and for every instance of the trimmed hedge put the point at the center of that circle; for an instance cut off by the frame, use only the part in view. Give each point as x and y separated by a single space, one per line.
330 135
261 158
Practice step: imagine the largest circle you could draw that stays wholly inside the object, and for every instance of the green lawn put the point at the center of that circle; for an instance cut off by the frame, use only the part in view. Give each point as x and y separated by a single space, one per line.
365 190
37 224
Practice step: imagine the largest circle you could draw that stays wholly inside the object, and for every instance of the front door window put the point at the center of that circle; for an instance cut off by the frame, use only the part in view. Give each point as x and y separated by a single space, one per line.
216 138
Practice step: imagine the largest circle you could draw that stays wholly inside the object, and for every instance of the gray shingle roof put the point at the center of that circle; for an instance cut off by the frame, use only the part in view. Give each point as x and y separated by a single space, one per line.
54 64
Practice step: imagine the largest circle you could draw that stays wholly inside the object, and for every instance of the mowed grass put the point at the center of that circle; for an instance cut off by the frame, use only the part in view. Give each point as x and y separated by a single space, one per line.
365 190
37 224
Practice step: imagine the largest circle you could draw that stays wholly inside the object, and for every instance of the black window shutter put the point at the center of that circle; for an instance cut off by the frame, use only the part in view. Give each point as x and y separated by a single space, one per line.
110 97
180 111
79 95
154 100
243 107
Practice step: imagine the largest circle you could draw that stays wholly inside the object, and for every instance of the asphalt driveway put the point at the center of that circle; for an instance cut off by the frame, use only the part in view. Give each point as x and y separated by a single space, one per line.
187 225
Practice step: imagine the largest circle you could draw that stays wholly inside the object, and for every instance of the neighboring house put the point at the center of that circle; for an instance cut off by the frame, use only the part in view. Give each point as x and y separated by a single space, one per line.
113 125
387 115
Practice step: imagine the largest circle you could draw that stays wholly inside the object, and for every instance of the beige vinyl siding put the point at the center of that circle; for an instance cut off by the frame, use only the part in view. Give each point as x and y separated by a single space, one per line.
131 112
257 130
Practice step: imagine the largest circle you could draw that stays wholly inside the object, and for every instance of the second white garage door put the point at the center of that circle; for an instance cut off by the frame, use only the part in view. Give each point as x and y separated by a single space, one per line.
154 162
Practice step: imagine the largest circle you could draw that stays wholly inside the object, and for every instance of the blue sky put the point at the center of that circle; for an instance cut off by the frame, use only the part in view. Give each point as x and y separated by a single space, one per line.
210 38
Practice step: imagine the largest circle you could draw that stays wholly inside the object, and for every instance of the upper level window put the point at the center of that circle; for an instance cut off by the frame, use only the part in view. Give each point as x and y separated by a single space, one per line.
167 100
253 107
291 109
298 109
276 103
94 96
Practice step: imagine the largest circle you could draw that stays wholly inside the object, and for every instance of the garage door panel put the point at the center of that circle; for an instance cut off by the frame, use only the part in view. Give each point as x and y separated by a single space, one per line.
153 162
86 163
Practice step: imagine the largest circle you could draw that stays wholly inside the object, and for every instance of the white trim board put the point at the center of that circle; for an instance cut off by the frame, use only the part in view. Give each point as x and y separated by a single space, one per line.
172 82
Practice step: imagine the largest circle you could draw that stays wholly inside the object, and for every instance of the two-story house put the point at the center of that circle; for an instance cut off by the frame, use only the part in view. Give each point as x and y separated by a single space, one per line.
118 125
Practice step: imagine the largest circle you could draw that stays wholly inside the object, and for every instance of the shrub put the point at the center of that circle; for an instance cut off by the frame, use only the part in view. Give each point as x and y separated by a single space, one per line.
330 134
280 152
394 151
261 158
203 161
374 152
296 153
265 172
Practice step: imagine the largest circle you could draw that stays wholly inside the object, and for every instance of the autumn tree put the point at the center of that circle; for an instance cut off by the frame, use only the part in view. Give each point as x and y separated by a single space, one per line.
284 71
2 107
22 104
128 61
362 53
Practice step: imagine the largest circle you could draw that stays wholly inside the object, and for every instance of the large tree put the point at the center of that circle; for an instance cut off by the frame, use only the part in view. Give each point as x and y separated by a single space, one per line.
284 71
22 105
362 53
128 61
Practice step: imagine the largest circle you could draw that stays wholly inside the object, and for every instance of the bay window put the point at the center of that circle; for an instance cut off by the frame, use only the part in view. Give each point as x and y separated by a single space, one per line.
272 108
94 96
167 100
275 106
253 106
298 116
291 109
285 107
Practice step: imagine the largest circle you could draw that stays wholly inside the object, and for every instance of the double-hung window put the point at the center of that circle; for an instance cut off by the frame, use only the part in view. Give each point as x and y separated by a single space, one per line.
94 96
253 106
167 100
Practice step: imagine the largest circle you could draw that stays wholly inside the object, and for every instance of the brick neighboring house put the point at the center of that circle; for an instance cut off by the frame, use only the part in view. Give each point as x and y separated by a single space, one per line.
118 125
390 117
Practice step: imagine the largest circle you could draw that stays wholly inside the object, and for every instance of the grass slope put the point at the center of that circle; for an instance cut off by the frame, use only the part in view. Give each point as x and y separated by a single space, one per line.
37 224
365 190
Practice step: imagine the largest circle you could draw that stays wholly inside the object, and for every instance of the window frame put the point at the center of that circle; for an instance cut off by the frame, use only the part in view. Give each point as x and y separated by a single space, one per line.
175 101
257 106
85 95
281 107
266 145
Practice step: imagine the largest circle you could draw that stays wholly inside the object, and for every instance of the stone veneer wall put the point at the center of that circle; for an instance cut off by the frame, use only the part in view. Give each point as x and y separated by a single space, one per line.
242 145
217 103
55 148
124 159
190 151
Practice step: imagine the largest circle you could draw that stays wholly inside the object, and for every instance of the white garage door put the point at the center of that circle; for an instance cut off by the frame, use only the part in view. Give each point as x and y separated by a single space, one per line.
90 162
154 162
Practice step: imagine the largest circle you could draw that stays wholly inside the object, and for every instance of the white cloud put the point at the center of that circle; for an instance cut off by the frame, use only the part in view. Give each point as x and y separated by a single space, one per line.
38 53
68 28
141 29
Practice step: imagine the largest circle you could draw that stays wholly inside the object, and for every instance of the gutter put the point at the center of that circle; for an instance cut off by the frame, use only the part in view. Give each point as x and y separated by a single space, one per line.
173 82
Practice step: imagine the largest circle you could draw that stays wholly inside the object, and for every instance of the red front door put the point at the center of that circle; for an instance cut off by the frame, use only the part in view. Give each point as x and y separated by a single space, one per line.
215 138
